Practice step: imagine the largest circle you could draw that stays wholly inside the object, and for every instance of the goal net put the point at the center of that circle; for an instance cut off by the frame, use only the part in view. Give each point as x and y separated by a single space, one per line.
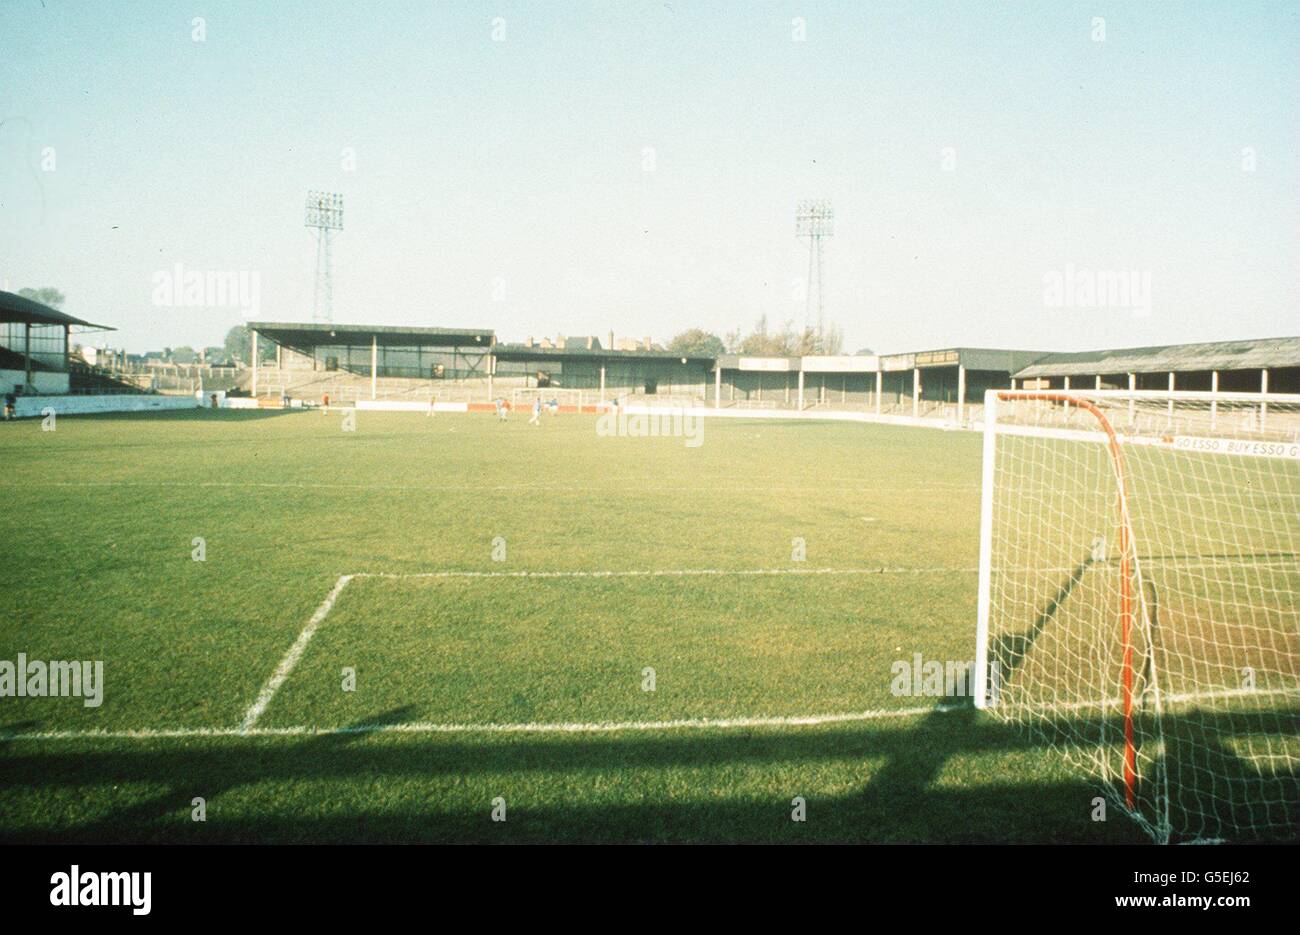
1139 598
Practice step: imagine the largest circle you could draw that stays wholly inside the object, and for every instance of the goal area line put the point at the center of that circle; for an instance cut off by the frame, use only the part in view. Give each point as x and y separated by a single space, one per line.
488 727
485 488
572 727
248 727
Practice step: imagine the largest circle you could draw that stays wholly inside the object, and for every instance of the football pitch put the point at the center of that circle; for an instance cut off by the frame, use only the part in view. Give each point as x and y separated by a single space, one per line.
402 632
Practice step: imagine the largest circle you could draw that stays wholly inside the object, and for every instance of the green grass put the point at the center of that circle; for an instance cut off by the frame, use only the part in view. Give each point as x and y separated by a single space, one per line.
96 541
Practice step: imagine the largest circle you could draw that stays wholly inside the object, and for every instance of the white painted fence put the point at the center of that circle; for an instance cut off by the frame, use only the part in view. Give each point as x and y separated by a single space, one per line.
33 406
809 415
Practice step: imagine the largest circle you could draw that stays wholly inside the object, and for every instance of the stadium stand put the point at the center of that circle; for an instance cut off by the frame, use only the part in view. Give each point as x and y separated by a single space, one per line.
34 346
404 364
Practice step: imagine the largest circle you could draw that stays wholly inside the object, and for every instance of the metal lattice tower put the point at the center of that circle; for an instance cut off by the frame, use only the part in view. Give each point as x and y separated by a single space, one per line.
814 221
324 215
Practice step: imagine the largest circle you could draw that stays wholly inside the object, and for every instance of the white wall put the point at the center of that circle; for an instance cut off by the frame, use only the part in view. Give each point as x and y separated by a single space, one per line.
44 381
814 415
861 363
85 405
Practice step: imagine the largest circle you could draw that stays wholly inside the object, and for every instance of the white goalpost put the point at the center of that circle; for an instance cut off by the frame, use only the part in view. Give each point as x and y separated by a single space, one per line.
1139 598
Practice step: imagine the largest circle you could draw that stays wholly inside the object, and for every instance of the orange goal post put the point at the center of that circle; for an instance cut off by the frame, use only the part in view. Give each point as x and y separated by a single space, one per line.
1139 592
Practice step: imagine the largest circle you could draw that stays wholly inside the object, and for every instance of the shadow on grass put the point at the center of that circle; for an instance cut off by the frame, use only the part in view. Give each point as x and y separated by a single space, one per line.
1009 650
947 776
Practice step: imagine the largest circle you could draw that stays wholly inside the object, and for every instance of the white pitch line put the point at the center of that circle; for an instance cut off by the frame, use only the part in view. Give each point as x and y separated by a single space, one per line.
763 572
429 727
664 573
1060 707
622 488
292 656
1181 697
248 726
577 727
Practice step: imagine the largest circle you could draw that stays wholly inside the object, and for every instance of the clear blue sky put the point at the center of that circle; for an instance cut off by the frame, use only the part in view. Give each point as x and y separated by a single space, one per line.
521 161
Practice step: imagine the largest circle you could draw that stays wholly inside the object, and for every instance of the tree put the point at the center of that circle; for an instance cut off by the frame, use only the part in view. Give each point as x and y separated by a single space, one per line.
787 342
239 346
828 342
696 342
46 296
761 343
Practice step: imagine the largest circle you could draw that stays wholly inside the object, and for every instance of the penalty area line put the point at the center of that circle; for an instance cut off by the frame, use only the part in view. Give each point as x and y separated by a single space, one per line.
292 656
